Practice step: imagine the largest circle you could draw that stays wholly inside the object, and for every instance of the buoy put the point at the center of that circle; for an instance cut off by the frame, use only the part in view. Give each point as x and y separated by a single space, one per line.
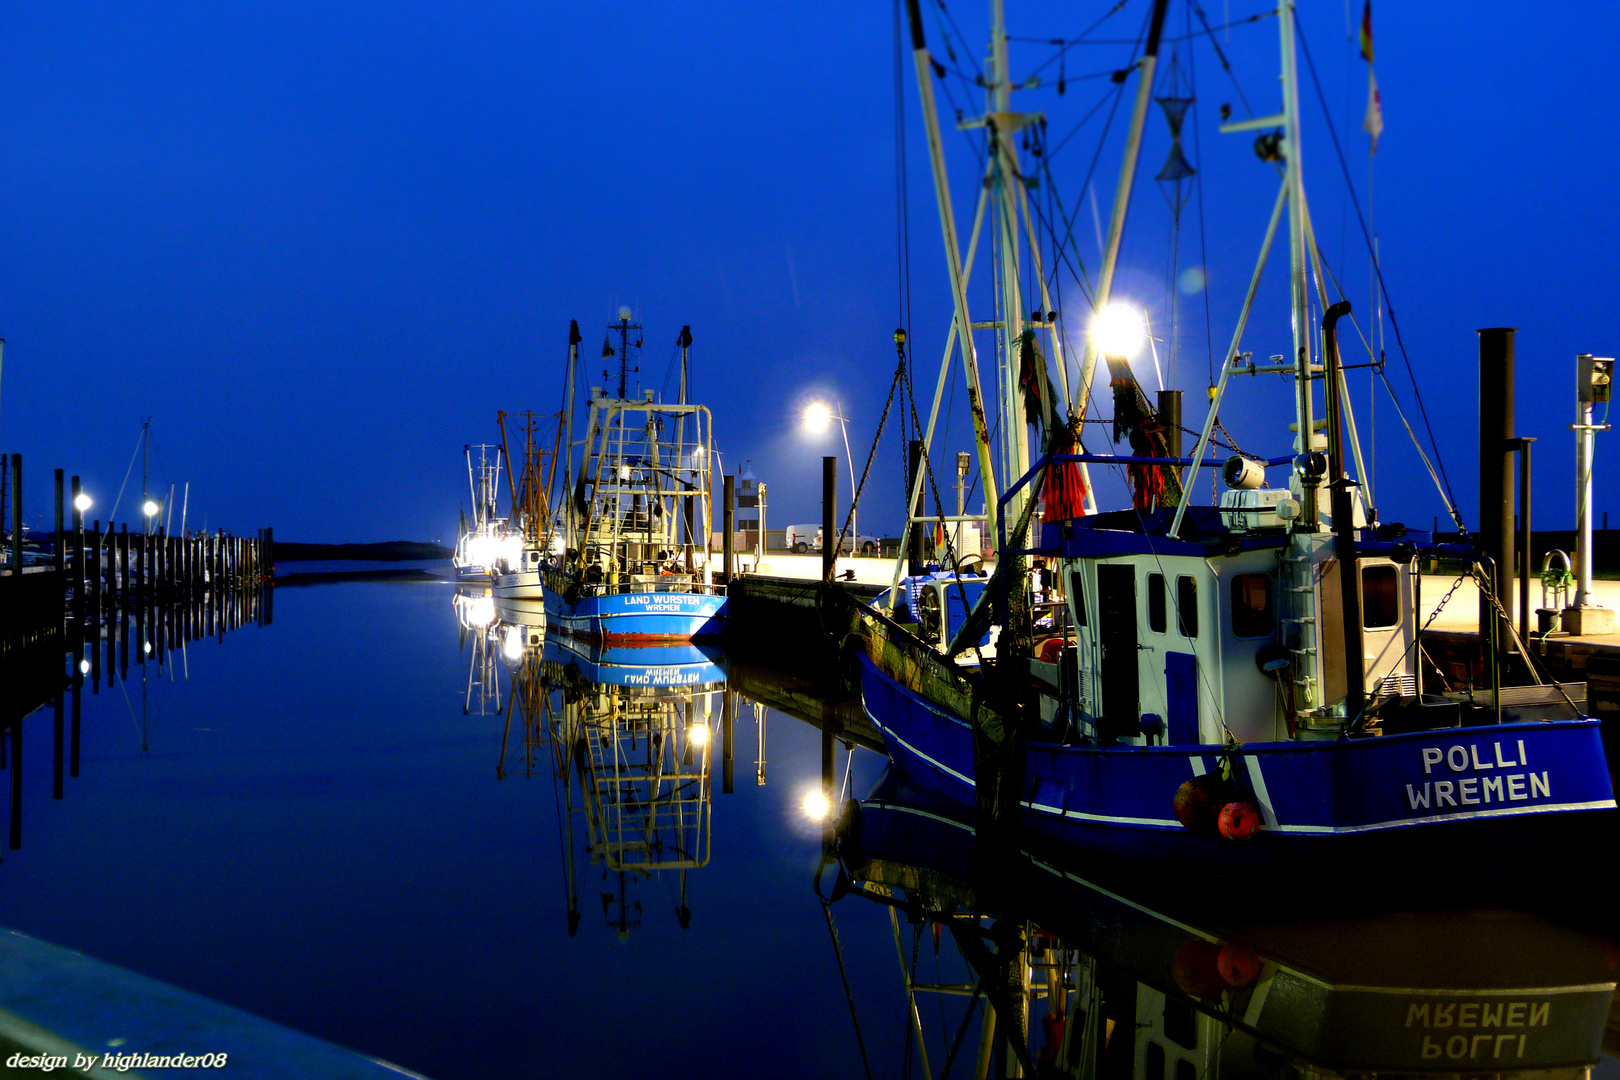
1198 803
1239 821
1196 969
1238 965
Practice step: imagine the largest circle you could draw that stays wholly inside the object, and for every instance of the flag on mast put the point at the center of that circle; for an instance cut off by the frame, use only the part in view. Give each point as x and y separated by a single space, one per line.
1373 122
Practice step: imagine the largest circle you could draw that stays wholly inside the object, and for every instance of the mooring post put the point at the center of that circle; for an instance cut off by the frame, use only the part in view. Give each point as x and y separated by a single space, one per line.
56 775
16 784
829 532
1496 477
60 561
95 566
728 523
78 548
16 514
77 684
728 726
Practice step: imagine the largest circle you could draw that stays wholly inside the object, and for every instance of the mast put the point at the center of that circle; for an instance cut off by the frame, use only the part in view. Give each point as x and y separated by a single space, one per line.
568 427
953 258
1001 122
1122 194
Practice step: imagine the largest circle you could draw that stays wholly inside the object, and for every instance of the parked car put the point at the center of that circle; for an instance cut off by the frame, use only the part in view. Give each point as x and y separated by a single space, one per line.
866 545
800 538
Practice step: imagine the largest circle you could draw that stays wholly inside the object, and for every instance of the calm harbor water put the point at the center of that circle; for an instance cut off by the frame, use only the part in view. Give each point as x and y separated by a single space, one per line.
345 822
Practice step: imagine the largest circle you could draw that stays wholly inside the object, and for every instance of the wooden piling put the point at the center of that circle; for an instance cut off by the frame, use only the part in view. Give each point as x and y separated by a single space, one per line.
16 514
56 775
61 553
94 567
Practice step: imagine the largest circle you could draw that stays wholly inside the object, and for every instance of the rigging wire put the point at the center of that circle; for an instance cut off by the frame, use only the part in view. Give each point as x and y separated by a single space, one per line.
1442 480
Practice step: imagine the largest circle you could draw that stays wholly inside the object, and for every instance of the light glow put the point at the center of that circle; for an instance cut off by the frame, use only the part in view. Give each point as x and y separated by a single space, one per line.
81 502
815 805
698 736
816 417
513 646
1119 330
150 508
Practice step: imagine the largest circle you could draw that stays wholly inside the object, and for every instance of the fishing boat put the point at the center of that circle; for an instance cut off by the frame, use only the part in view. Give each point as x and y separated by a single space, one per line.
1234 685
486 540
634 536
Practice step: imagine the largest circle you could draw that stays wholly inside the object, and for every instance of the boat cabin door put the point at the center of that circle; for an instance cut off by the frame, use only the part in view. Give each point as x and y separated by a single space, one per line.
1117 636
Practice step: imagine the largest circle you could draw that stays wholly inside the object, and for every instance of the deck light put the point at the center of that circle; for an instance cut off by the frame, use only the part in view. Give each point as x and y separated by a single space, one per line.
81 502
815 804
149 508
1119 330
698 736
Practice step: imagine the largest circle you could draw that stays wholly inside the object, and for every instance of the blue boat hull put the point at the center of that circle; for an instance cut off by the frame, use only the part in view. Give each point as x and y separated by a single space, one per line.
635 618
1314 798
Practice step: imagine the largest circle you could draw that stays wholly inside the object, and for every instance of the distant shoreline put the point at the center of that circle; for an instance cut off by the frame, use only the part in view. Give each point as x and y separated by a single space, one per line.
387 551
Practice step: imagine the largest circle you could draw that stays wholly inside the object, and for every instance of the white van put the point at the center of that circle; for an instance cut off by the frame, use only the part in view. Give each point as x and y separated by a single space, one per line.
800 538
867 545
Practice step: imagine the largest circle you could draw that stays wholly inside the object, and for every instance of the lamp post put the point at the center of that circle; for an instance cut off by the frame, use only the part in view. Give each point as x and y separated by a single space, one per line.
817 415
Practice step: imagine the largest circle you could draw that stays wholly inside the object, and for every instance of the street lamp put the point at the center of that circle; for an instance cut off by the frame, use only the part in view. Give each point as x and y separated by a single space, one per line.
150 508
81 502
817 415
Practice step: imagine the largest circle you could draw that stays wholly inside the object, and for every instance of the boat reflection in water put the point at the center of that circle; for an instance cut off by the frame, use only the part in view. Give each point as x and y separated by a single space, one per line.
1069 977
627 734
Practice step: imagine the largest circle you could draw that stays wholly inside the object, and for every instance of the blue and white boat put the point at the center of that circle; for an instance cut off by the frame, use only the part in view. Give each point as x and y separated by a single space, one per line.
1232 685
630 564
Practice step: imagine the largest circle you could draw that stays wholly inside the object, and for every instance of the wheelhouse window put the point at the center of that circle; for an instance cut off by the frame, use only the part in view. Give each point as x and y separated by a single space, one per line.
1155 601
1251 606
1380 597
1187 606
1077 595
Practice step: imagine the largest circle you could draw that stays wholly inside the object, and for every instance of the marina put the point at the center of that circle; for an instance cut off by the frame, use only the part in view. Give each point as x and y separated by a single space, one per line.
1122 605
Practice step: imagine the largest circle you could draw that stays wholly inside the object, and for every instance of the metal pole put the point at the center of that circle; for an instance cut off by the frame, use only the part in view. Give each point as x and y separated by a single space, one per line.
829 538
854 520
1496 472
1526 537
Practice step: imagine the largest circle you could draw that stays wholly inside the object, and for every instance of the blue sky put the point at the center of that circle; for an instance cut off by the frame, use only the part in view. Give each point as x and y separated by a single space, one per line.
321 245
